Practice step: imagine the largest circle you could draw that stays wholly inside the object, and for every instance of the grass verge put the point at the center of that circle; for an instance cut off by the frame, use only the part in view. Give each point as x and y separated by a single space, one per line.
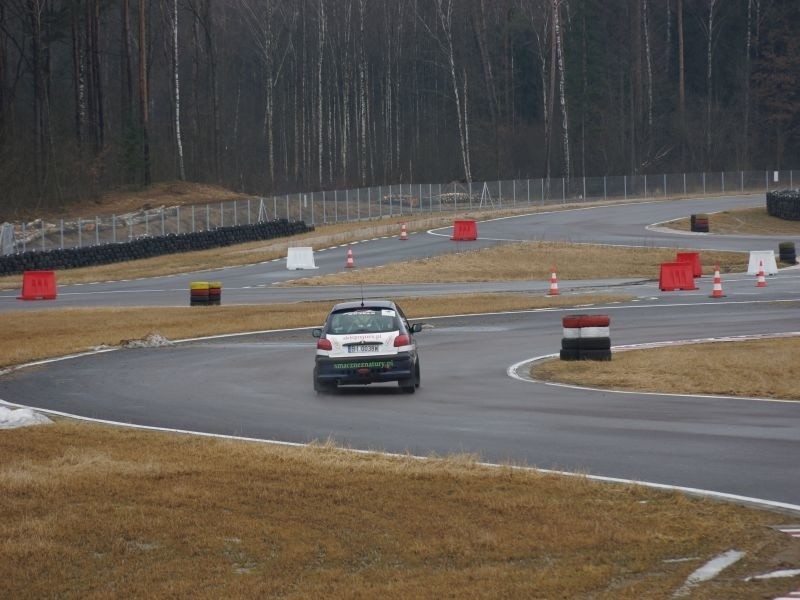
751 368
92 511
744 221
530 260
79 329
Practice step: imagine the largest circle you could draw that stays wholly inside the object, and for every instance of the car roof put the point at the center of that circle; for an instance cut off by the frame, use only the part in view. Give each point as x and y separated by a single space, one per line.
364 303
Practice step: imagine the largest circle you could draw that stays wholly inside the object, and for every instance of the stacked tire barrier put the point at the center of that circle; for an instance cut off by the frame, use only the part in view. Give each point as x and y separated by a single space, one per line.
199 293
784 204
73 258
214 293
699 223
786 253
586 337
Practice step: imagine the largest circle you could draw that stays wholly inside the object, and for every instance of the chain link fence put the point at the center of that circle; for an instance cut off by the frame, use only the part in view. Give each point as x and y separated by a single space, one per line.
337 206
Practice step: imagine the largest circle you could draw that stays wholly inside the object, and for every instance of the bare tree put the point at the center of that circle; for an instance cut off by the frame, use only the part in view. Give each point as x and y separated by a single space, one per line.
444 15
177 88
144 99
562 82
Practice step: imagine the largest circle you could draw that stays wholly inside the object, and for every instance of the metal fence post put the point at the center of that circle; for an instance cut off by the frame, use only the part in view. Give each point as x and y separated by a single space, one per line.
62 234
178 219
114 228
625 183
741 176
645 186
163 228
684 184
42 234
208 217
221 215
193 227
248 212
704 183
335 206
723 182
24 243
96 231
665 185
563 191
605 187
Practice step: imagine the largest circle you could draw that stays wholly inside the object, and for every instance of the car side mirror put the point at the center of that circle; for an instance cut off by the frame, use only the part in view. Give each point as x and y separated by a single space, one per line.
416 328
316 332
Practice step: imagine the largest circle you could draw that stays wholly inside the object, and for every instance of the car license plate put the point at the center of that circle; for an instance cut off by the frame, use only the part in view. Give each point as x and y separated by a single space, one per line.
364 348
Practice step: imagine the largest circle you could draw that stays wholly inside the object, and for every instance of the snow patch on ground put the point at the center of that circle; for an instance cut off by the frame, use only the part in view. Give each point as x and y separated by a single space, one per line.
708 571
21 417
153 340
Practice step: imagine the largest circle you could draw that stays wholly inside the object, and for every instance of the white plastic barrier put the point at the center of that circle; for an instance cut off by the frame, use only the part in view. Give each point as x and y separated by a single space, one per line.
301 257
767 257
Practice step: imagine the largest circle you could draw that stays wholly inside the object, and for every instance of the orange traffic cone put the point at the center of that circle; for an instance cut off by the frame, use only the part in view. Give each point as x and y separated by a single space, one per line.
403 232
762 282
350 262
717 291
553 283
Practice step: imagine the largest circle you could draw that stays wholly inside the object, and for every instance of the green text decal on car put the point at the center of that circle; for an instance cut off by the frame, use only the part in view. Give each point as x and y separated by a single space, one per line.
388 364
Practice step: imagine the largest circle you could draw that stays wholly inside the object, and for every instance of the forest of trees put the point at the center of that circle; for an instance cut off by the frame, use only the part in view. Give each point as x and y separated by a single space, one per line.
274 96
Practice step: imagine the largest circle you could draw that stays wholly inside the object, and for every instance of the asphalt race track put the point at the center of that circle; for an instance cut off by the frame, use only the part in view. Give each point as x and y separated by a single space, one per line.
259 385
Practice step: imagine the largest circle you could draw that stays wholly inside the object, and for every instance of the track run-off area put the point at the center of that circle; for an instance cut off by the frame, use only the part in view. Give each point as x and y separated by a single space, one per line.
475 397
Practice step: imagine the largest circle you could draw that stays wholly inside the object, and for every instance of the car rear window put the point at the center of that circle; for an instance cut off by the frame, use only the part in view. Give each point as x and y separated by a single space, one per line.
363 320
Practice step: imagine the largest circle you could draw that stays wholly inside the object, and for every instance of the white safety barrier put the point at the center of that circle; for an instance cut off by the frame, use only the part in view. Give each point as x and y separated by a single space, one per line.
301 257
765 257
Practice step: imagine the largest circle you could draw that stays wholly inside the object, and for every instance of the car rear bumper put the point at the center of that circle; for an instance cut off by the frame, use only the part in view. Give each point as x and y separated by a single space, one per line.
365 369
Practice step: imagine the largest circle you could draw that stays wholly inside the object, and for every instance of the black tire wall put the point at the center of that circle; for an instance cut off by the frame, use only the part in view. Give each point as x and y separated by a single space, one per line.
784 204
88 256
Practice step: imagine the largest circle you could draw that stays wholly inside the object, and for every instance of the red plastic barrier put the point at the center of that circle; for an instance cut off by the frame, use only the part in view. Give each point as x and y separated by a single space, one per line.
465 231
692 258
38 285
676 276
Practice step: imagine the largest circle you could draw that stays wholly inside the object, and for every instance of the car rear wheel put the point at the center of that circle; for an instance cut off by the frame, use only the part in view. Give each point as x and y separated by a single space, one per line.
323 387
410 385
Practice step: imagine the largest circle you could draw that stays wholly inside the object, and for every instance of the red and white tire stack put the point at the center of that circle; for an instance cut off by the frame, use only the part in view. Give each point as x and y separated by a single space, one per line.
586 337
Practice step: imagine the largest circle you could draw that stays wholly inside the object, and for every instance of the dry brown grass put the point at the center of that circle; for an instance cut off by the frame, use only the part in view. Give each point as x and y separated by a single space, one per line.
97 512
529 260
743 221
753 368
79 329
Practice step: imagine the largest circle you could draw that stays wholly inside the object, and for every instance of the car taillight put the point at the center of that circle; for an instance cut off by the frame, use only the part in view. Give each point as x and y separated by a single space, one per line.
323 344
401 340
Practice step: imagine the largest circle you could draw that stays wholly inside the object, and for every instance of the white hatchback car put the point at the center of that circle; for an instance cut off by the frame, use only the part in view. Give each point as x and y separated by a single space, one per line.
366 341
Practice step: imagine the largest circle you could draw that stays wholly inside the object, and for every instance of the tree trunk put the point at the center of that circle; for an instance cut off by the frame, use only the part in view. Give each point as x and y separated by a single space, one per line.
681 85
562 86
320 120
34 14
144 98
362 97
78 84
4 104
177 84
747 75
709 73
444 10
648 58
